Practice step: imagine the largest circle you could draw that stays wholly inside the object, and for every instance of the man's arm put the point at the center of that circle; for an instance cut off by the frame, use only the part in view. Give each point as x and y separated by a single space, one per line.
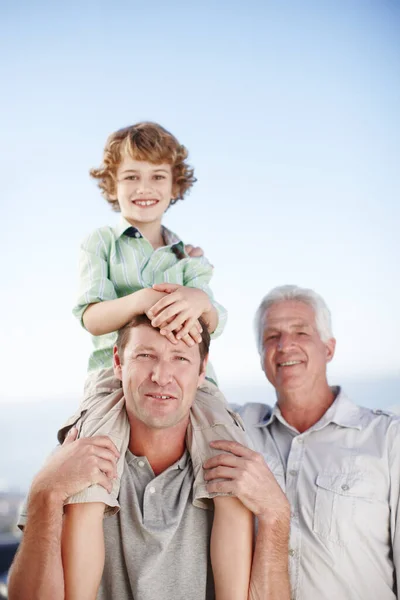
37 571
245 474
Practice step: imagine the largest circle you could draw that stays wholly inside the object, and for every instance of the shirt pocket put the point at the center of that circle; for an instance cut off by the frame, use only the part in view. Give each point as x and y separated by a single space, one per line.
342 500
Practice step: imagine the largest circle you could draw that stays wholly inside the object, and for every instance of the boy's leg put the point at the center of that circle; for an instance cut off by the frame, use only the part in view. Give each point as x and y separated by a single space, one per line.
102 412
210 419
231 544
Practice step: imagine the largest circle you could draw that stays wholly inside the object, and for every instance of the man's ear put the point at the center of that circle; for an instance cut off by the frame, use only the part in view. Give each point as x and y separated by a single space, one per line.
202 374
117 364
330 349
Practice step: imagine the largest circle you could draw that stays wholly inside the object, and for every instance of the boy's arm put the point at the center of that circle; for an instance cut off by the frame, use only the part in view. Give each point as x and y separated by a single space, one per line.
111 315
189 302
98 306
180 309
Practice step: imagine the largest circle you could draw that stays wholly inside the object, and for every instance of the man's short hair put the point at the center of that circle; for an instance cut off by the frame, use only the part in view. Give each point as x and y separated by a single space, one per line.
123 336
148 142
293 292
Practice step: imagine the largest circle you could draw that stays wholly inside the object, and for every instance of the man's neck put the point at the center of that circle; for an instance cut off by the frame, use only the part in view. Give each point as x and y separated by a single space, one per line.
302 408
161 447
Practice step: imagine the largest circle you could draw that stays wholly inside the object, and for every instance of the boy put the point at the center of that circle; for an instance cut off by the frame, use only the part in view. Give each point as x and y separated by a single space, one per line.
141 267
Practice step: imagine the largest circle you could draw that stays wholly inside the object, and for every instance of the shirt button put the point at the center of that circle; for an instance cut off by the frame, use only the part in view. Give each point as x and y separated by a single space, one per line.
293 472
292 552
345 487
299 440
152 490
137 235
141 463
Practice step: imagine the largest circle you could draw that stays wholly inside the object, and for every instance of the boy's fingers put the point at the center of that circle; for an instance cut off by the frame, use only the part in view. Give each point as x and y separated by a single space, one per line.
179 320
169 335
190 329
174 316
167 288
188 340
160 305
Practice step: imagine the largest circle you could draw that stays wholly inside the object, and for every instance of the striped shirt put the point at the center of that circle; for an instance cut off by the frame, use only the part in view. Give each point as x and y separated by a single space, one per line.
117 261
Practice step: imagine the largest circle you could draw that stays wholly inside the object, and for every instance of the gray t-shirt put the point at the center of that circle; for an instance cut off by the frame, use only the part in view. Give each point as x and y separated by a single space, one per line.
157 546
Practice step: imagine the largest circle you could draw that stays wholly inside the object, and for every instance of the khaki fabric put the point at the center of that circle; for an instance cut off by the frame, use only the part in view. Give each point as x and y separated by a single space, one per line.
102 412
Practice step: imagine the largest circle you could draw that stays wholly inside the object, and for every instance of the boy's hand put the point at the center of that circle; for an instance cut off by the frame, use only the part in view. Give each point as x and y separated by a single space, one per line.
179 310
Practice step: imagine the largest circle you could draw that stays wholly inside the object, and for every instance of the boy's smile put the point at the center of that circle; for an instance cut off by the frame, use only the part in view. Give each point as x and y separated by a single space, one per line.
144 191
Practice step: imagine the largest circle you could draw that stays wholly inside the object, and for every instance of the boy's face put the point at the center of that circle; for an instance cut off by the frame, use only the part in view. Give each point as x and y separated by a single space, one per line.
144 190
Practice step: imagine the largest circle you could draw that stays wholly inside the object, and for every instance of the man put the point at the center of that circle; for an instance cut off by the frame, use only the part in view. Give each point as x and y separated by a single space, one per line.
157 546
338 463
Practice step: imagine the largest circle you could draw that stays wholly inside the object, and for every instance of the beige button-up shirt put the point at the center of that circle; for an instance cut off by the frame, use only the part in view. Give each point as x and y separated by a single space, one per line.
342 479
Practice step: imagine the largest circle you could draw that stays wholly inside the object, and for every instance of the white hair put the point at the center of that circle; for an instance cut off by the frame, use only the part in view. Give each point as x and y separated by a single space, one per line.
293 292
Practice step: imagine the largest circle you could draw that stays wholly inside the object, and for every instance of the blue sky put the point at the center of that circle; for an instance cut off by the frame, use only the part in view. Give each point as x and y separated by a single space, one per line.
290 112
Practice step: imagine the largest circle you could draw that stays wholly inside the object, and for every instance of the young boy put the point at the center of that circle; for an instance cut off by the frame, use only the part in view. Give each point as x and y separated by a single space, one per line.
138 267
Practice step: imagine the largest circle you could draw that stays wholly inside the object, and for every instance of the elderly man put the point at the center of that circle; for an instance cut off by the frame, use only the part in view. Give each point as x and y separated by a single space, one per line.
338 463
157 546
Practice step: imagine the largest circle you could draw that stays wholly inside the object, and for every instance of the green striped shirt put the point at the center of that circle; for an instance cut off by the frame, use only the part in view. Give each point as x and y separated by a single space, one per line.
117 261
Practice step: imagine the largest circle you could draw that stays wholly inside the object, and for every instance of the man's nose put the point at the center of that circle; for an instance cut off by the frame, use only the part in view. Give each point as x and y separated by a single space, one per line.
285 342
162 373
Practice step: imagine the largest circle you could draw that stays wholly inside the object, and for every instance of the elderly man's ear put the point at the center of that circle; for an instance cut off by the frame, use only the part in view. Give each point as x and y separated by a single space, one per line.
330 349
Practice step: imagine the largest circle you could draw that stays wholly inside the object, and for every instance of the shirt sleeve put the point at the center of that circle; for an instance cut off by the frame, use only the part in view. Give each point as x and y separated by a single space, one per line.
94 284
394 498
197 273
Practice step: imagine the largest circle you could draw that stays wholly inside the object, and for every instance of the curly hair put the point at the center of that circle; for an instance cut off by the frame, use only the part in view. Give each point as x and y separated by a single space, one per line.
148 142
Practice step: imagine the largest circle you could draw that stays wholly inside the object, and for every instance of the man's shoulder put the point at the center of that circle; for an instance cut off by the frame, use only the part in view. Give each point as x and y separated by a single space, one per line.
253 413
380 419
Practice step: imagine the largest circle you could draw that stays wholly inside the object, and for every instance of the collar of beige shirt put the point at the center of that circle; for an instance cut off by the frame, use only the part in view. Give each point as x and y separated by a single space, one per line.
342 412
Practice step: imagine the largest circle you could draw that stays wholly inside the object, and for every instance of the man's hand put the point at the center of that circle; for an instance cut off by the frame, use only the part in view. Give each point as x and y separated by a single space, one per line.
179 311
76 465
246 475
193 251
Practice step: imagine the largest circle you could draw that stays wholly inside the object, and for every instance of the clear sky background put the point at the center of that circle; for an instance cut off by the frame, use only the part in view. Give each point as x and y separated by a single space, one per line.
290 111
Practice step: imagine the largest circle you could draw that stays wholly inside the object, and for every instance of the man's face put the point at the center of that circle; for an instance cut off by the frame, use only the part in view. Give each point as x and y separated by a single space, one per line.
294 356
144 190
159 379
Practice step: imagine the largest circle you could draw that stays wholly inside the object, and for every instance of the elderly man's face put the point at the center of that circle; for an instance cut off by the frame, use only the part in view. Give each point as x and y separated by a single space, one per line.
159 379
294 355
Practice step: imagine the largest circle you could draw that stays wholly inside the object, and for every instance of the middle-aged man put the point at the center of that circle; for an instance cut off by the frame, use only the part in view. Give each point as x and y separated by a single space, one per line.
157 546
338 463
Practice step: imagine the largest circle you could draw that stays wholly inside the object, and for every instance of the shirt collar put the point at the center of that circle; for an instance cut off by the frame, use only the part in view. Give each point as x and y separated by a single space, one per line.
122 226
179 464
342 412
171 239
